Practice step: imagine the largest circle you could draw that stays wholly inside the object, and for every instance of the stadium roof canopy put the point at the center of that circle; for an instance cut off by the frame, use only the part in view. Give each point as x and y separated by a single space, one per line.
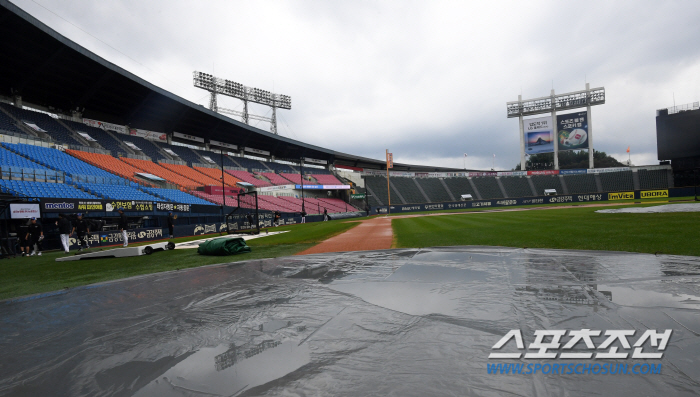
49 70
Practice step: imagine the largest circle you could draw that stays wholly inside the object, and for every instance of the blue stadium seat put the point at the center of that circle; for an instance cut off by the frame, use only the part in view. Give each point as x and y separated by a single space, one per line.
43 189
176 196
117 192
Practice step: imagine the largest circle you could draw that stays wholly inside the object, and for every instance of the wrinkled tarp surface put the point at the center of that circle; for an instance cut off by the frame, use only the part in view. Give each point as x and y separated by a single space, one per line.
409 322
223 246
657 209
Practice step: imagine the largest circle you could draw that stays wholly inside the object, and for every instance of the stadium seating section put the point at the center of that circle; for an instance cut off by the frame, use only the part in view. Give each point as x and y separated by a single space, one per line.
279 168
186 154
326 179
246 176
50 126
58 160
7 124
103 138
43 189
434 189
108 163
155 169
543 182
488 187
516 186
581 183
460 186
175 196
653 179
192 174
617 181
116 192
408 189
294 178
147 147
251 164
215 173
275 179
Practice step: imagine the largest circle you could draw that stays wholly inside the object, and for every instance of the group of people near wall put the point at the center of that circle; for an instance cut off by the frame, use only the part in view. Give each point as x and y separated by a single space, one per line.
31 241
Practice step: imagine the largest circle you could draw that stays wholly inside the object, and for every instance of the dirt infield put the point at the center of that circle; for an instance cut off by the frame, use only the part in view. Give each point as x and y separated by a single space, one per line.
371 234
376 233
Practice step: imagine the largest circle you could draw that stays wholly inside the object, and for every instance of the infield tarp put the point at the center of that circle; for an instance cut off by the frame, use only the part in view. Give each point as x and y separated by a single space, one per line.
406 322
223 247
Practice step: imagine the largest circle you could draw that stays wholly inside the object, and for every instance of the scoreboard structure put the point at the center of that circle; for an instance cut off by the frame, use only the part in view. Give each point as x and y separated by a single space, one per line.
554 133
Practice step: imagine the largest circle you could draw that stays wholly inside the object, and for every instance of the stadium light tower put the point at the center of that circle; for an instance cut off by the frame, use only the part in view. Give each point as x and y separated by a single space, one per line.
216 86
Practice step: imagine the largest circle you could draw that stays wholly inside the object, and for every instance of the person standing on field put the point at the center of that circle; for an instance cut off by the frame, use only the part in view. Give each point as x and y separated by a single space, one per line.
171 225
82 227
123 226
35 234
64 229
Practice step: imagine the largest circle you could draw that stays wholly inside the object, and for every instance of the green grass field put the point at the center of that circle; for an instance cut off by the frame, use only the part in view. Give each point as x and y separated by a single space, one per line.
30 275
565 228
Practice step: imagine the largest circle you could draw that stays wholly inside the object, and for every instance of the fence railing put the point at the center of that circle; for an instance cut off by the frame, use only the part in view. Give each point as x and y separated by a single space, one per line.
176 162
136 156
11 137
99 180
32 174
89 149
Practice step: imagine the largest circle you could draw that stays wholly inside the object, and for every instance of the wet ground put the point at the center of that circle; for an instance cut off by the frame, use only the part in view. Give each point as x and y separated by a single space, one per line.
658 209
410 322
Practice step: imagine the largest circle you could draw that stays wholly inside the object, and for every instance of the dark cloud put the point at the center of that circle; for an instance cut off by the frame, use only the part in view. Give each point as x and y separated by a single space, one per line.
428 80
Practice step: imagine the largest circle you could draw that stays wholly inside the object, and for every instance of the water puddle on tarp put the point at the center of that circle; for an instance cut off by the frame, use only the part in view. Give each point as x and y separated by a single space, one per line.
410 322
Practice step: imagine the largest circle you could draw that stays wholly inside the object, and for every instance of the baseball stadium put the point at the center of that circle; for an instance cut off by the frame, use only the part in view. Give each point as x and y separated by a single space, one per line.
153 246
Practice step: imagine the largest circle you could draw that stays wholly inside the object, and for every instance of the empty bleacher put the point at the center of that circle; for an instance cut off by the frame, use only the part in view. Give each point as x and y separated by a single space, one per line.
58 160
231 201
246 176
186 154
175 196
275 178
50 126
516 186
653 179
377 184
434 189
10 159
543 182
294 178
215 173
147 147
155 169
7 124
581 183
326 179
216 158
408 189
279 168
191 173
251 164
43 189
109 163
617 181
103 138
459 186
488 187
116 192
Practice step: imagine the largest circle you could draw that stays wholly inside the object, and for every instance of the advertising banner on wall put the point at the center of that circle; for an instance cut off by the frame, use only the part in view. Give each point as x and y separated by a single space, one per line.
572 131
24 210
106 126
539 135
151 135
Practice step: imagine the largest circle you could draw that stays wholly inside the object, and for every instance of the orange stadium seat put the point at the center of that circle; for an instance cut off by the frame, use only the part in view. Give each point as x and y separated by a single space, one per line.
155 169
108 163
190 173
215 173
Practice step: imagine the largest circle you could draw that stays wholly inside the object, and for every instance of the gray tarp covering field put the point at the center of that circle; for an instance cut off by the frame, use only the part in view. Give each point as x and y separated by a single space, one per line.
657 209
410 322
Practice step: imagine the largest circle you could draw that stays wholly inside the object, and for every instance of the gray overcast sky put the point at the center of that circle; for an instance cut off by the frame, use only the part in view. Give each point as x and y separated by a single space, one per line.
428 80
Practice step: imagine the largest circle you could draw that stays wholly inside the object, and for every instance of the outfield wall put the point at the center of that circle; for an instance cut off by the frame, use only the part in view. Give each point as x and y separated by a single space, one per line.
542 200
